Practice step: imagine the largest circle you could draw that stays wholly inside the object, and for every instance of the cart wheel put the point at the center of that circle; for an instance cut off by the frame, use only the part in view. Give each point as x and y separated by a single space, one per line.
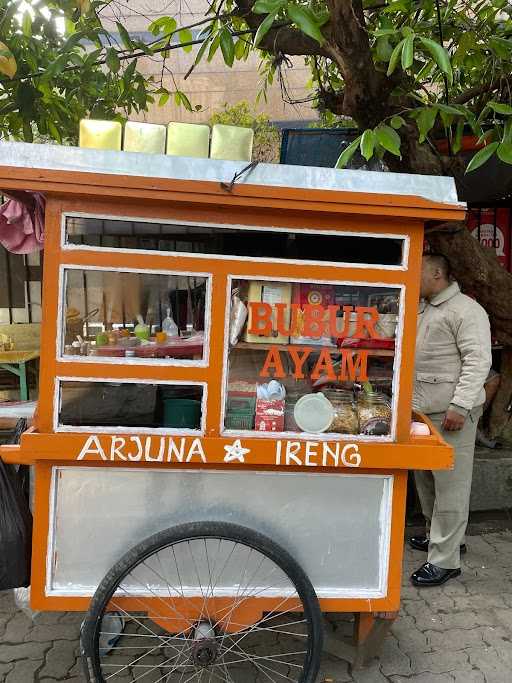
205 601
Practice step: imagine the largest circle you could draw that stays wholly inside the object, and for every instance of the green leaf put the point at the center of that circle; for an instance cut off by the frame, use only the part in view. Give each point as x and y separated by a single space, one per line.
28 135
397 122
185 36
408 52
201 51
263 29
367 144
348 153
459 131
501 46
72 41
92 58
440 56
165 25
26 25
507 132
393 60
425 121
389 139
306 21
129 72
112 60
125 36
504 152
500 108
181 99
482 156
240 49
268 6
383 49
227 46
456 111
164 98
54 131
214 47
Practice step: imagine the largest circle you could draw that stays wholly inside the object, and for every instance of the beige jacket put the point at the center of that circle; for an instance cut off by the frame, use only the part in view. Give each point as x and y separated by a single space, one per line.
453 353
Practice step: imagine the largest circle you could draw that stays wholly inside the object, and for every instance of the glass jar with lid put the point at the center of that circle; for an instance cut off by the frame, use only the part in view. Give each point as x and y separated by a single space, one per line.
293 394
345 419
374 412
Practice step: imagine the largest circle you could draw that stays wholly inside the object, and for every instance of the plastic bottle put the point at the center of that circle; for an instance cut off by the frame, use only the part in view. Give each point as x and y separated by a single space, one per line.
141 330
169 326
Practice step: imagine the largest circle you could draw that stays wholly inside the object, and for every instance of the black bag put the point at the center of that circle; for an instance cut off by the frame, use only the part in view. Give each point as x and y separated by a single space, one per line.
15 523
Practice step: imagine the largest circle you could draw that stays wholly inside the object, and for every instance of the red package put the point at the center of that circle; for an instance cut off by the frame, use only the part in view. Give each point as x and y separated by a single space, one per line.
317 295
269 416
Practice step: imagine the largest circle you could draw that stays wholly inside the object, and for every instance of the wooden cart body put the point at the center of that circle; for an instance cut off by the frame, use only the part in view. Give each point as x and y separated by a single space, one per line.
336 503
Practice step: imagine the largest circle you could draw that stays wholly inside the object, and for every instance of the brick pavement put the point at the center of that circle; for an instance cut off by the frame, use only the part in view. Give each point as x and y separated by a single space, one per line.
459 633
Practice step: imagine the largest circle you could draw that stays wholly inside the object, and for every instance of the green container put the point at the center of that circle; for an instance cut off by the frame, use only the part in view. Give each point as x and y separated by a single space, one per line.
182 413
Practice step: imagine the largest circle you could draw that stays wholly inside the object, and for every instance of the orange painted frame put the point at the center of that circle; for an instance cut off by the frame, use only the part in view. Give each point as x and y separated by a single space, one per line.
220 270
201 201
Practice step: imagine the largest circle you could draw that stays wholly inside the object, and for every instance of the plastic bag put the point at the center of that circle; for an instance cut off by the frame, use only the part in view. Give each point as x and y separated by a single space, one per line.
238 316
22 601
15 526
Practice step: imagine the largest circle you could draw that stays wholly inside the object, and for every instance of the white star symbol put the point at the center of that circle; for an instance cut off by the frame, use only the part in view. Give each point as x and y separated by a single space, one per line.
236 452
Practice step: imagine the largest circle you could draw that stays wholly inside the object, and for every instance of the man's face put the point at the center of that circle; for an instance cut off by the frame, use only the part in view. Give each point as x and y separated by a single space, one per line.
428 279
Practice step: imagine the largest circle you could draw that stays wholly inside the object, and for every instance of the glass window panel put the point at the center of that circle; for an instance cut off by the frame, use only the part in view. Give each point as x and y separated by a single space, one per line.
130 404
314 358
230 241
145 316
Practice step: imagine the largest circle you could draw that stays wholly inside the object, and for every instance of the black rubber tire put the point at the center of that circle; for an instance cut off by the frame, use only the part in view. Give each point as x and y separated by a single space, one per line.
195 530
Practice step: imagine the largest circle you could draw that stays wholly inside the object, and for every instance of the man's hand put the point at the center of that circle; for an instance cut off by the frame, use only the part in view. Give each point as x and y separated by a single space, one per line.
453 422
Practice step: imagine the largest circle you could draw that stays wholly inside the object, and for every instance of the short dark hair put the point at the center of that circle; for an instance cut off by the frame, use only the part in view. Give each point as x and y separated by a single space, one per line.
441 262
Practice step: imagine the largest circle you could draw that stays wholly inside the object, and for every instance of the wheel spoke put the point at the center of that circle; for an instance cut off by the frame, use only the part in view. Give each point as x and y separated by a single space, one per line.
208 603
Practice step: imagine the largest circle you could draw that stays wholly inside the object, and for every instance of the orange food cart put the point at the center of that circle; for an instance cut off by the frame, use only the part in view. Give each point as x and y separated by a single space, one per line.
224 423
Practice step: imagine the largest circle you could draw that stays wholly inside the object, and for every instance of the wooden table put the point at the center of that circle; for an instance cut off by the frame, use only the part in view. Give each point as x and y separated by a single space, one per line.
16 362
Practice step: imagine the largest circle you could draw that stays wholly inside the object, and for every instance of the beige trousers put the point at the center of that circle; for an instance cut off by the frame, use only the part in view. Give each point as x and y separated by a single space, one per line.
444 494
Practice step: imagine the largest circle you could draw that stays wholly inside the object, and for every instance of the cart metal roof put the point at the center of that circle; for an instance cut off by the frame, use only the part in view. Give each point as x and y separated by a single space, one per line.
54 168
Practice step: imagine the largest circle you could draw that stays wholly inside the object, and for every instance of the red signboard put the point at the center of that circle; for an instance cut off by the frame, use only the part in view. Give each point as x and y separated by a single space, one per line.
492 227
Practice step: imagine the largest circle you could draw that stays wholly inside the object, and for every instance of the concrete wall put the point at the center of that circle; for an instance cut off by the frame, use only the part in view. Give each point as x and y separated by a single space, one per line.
213 84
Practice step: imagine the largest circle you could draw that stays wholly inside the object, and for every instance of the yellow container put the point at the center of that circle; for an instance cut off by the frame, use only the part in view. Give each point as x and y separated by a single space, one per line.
231 143
100 134
188 140
144 137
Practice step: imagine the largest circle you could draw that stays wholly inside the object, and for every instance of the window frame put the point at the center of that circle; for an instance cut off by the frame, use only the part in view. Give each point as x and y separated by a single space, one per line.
402 267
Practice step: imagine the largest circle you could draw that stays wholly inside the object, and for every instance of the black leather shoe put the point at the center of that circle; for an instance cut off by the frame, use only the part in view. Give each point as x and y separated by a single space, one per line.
421 543
430 575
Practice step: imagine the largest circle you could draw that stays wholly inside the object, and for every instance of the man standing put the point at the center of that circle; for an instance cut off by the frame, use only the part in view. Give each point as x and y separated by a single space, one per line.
453 358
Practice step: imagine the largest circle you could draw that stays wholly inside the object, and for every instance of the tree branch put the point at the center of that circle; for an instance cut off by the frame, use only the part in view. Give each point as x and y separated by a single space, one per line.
281 39
477 90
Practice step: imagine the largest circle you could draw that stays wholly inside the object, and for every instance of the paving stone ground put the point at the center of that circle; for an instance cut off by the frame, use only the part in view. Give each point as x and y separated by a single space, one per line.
459 633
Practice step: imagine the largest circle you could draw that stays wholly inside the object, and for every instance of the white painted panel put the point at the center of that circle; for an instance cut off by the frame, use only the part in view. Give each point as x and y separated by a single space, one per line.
337 526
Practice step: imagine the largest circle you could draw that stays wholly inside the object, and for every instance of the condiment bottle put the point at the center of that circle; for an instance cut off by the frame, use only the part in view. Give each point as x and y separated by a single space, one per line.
142 330
169 326
101 339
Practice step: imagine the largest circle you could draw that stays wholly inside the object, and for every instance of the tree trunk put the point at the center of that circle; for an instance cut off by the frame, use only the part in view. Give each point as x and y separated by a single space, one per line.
500 422
479 273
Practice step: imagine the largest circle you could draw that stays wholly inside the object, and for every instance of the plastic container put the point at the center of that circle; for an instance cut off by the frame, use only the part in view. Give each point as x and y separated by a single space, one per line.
142 330
313 413
239 421
169 326
182 413
292 396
